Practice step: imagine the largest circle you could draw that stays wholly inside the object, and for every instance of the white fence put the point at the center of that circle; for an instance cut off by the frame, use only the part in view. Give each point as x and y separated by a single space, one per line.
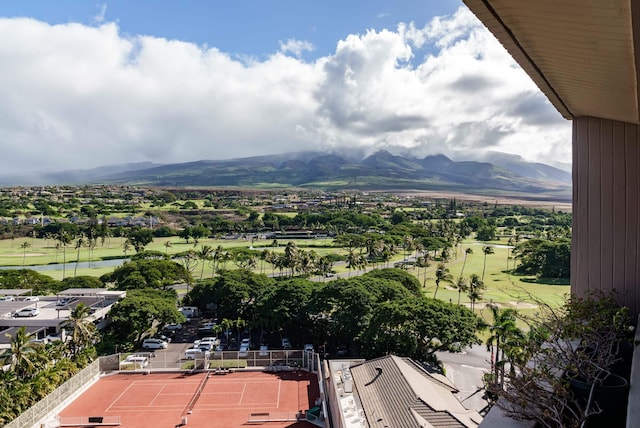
263 360
37 413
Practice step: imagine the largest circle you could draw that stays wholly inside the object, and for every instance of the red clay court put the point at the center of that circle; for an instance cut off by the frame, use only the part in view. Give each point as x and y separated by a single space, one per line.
221 401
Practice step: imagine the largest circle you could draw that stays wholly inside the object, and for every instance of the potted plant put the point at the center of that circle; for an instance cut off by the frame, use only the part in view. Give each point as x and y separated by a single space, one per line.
564 376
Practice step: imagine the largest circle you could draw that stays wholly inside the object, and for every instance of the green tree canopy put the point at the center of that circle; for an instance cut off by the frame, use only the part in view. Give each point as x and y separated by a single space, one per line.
341 309
147 273
418 327
141 311
140 238
545 258
230 295
82 281
29 279
410 282
284 305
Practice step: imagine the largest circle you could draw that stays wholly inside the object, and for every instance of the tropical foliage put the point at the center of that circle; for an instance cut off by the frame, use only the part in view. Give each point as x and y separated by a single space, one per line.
34 369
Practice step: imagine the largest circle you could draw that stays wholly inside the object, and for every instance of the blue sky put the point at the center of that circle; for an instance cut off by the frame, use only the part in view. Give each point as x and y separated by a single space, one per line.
175 81
238 27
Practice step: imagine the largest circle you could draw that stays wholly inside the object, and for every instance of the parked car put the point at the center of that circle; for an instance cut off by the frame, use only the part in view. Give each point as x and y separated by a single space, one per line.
27 312
206 328
7 299
244 351
137 361
218 351
308 347
196 353
206 346
286 343
64 301
154 344
245 342
173 327
31 299
264 351
162 337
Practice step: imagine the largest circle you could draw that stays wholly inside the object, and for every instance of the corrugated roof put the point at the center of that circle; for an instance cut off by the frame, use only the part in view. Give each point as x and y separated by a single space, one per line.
397 392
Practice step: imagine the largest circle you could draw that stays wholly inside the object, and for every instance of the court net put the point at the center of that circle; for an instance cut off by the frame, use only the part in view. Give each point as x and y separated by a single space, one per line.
196 395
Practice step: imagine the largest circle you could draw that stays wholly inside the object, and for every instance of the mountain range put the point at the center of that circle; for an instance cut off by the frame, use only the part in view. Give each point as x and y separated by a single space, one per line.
506 174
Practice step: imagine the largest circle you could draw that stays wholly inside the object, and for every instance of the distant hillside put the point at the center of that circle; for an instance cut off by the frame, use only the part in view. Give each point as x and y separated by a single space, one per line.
379 171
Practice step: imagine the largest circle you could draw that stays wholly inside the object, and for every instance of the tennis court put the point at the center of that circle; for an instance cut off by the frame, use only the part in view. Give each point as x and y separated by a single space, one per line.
199 400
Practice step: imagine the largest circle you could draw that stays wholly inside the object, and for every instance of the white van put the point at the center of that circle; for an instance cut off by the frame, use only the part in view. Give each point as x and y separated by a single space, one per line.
196 353
189 311
136 361
154 344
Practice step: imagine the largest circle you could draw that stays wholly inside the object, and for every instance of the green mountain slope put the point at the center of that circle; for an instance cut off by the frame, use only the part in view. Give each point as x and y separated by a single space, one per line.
381 170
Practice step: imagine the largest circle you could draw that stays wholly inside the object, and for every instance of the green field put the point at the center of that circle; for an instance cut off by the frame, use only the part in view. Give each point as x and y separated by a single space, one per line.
501 286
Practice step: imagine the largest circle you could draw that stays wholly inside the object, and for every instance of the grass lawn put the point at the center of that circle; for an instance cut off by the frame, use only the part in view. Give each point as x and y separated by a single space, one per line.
501 286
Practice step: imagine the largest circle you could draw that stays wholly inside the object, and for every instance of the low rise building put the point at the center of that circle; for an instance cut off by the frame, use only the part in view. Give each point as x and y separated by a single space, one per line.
392 391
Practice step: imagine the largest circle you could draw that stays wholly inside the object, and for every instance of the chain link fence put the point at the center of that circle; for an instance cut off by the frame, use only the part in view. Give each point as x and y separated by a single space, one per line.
268 360
61 396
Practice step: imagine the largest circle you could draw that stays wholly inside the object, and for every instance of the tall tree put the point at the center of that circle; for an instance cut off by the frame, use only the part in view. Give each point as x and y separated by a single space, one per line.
503 333
442 275
83 331
462 286
418 327
24 356
64 238
204 254
24 246
142 311
467 251
476 285
486 250
79 244
140 238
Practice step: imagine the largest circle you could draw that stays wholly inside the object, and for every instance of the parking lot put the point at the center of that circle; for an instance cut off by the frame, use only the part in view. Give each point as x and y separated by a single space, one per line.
174 358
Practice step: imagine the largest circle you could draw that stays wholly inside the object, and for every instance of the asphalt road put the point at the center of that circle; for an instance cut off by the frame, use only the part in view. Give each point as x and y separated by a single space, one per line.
465 370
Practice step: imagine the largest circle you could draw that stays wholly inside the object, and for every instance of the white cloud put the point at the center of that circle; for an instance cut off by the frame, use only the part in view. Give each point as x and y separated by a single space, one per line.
77 96
296 47
99 17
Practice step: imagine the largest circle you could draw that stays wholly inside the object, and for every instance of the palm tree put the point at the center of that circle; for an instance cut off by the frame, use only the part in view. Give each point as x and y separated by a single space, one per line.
79 244
463 286
126 246
84 331
226 324
464 262
408 246
239 323
324 266
509 247
504 332
361 262
292 257
64 239
442 274
217 257
424 262
475 285
351 260
486 250
167 244
204 254
24 357
91 245
24 247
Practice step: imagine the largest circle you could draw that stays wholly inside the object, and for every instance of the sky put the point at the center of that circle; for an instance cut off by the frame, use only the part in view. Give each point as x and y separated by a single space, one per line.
92 83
